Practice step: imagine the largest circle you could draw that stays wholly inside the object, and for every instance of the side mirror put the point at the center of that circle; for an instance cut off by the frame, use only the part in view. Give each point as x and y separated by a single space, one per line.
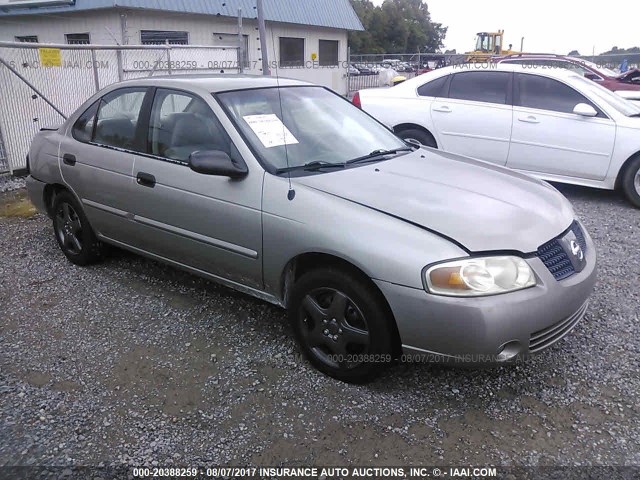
216 162
585 110
592 76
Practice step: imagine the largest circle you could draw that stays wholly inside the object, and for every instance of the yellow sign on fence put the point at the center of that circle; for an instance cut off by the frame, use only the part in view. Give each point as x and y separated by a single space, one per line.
50 57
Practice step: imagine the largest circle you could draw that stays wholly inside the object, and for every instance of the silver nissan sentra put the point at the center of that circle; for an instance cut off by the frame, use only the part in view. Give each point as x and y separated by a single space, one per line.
379 249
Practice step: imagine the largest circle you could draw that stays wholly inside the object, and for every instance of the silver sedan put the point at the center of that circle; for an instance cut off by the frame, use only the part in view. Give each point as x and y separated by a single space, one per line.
379 249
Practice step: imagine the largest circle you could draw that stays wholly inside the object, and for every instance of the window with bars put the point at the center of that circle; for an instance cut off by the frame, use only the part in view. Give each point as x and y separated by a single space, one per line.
291 52
77 38
27 38
161 37
328 52
231 40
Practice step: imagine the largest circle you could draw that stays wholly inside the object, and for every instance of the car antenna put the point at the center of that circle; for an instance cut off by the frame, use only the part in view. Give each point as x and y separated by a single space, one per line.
291 194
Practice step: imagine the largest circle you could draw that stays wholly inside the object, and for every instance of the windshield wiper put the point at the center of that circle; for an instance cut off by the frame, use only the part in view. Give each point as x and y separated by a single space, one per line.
315 165
377 153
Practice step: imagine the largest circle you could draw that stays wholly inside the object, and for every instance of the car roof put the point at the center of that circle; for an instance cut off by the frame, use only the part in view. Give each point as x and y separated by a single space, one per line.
506 67
214 82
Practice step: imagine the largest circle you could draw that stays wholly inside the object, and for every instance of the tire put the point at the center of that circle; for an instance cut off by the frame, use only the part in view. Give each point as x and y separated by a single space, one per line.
73 233
631 182
421 136
341 324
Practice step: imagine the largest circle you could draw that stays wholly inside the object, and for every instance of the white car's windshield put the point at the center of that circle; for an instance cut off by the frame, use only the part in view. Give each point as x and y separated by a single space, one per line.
296 126
612 99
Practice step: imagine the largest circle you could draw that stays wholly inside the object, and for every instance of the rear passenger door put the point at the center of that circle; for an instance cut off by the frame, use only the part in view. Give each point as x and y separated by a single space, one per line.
205 222
548 138
96 161
475 119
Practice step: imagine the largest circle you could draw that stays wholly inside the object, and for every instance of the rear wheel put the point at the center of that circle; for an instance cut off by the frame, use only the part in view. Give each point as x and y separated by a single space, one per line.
341 324
420 136
73 232
631 182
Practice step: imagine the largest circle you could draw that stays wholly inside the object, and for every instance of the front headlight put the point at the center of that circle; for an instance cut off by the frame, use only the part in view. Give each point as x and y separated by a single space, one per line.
472 277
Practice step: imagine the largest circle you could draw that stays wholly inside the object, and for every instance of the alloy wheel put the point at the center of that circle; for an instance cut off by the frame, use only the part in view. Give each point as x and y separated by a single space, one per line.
334 328
69 228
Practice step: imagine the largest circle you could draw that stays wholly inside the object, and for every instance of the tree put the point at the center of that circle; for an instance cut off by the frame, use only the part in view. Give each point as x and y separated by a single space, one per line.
397 26
574 53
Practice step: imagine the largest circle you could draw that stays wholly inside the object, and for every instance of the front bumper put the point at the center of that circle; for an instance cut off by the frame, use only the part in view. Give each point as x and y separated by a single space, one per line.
493 329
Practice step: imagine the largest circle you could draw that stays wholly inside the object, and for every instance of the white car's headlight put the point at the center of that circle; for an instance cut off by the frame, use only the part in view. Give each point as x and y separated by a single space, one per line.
472 277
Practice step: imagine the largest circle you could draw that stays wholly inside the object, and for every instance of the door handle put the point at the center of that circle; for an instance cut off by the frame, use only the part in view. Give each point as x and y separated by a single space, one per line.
529 119
443 109
146 179
69 159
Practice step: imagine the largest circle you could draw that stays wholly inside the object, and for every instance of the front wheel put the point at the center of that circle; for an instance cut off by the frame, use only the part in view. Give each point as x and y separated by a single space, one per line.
73 232
341 324
631 182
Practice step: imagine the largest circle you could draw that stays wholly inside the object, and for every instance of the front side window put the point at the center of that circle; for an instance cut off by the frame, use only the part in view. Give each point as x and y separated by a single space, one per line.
294 126
488 87
118 117
544 93
291 52
182 124
328 53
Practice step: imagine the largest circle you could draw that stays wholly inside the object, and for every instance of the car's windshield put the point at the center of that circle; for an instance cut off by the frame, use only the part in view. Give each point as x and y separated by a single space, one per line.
295 126
612 99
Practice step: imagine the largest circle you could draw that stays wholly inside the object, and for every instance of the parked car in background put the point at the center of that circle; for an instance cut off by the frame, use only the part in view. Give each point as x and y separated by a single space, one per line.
364 69
629 80
353 70
376 247
550 123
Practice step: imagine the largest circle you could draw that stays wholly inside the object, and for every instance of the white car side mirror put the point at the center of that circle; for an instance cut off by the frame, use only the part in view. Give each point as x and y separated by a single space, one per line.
585 110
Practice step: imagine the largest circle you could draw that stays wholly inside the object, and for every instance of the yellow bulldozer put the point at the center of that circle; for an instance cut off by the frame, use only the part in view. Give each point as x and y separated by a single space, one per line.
489 44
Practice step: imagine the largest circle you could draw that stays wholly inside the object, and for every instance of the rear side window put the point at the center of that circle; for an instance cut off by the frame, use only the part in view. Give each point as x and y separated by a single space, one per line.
488 87
433 88
545 93
83 128
118 117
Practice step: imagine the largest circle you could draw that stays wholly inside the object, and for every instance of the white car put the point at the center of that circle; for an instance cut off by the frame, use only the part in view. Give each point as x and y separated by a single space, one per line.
552 124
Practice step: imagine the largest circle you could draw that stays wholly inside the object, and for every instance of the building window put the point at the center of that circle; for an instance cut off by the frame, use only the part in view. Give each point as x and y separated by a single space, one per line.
27 39
291 52
161 37
231 40
328 53
77 38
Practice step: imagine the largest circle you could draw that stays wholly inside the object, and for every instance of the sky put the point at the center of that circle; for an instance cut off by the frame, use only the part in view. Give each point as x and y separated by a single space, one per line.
550 26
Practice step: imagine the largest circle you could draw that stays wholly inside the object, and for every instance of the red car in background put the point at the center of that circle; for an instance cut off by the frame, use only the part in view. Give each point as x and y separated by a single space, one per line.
629 80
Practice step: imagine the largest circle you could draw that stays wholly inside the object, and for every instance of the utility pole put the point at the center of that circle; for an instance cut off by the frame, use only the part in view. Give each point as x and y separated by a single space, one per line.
240 43
522 45
263 39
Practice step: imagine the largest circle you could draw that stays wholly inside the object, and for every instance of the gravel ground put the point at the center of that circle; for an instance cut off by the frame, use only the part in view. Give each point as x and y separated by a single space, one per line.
132 362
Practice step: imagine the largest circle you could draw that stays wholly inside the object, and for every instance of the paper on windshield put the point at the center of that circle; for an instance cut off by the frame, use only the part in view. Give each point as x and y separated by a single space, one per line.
270 130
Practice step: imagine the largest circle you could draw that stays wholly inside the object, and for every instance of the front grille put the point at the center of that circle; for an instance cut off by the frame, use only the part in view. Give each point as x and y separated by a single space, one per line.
548 336
554 256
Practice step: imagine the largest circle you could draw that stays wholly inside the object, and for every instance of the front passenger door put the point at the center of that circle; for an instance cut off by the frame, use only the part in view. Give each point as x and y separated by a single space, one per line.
548 138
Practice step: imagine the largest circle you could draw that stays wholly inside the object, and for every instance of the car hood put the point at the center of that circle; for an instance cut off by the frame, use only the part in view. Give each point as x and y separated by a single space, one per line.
478 205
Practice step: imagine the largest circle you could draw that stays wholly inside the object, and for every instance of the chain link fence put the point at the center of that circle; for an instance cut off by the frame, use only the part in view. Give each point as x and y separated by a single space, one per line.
42 84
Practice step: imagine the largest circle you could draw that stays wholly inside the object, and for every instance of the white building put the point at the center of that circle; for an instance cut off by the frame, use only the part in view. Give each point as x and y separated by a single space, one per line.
306 39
